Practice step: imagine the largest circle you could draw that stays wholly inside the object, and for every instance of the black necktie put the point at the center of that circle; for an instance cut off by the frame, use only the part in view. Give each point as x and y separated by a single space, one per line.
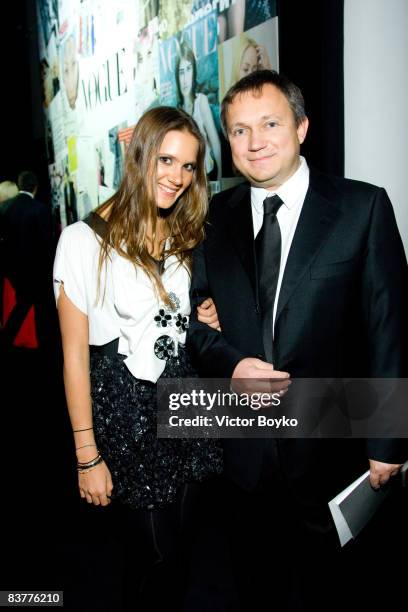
268 254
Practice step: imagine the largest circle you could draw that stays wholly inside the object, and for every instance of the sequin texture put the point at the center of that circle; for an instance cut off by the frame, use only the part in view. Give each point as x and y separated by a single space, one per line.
146 471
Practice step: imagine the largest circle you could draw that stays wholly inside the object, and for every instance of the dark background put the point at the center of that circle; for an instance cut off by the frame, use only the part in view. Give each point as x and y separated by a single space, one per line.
23 143
48 540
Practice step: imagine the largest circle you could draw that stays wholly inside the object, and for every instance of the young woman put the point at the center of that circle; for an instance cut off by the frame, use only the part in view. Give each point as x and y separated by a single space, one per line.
122 287
196 104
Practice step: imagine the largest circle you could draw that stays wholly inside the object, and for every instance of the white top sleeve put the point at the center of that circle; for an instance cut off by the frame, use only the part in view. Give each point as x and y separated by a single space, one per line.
76 266
68 267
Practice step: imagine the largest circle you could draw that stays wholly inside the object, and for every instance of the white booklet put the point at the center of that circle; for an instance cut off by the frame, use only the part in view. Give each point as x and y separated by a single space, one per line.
354 507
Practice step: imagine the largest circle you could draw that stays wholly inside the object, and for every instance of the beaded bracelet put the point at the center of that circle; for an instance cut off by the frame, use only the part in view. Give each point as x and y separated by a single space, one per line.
88 463
85 468
85 463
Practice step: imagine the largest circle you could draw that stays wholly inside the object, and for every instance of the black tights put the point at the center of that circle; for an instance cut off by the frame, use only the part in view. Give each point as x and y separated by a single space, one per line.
154 544
123 560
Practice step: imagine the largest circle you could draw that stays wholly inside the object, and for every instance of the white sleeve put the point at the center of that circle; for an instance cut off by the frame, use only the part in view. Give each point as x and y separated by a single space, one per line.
70 258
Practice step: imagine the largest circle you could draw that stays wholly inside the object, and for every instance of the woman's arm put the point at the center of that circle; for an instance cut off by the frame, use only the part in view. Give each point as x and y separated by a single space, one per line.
211 131
96 484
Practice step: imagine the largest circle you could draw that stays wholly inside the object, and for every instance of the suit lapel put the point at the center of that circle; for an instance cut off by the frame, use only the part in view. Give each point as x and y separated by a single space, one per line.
240 228
316 222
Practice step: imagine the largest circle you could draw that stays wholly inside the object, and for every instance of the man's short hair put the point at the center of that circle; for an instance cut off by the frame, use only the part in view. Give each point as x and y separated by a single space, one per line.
254 82
27 181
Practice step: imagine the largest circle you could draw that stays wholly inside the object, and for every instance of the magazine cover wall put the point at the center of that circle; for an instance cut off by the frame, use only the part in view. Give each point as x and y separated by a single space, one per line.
104 63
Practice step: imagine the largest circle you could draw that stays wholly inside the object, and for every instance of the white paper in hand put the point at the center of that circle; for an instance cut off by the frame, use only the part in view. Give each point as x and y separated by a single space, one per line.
354 507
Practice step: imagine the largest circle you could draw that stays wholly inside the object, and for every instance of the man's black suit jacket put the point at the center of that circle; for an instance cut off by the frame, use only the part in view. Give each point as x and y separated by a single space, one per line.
27 243
341 311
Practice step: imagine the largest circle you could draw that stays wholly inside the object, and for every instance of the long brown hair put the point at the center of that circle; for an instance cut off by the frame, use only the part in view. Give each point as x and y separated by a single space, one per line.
132 209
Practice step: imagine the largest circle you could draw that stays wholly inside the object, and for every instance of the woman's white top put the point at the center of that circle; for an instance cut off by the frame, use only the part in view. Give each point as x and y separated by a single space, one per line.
128 307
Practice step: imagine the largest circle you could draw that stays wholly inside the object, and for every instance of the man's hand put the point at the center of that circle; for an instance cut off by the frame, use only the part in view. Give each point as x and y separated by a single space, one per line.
207 313
380 472
253 375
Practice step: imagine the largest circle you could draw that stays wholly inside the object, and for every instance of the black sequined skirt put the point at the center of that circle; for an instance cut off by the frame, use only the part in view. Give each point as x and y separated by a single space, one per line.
146 471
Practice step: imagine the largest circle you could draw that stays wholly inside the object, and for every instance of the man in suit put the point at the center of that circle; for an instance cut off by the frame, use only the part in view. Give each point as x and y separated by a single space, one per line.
27 249
309 278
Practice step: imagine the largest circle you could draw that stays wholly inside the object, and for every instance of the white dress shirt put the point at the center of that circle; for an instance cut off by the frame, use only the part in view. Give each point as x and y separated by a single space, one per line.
292 193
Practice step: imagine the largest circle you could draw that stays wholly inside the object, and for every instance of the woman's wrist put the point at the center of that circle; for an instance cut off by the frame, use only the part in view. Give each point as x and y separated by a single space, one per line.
87 452
83 436
84 467
85 446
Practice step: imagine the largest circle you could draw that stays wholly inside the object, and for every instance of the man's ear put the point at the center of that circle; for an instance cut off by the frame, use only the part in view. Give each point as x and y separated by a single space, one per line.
302 130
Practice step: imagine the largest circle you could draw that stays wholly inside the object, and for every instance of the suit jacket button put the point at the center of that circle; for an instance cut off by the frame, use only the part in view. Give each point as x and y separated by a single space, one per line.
257 309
